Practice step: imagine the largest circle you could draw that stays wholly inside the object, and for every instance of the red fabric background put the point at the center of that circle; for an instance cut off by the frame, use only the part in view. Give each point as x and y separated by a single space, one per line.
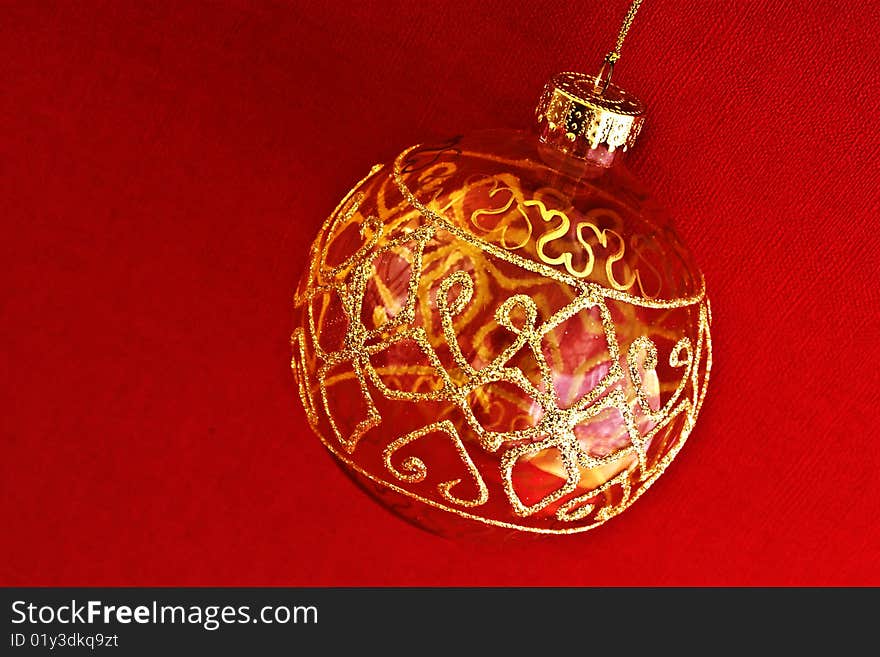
164 166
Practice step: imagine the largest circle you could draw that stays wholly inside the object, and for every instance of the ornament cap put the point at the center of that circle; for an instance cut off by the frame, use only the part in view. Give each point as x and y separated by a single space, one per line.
578 113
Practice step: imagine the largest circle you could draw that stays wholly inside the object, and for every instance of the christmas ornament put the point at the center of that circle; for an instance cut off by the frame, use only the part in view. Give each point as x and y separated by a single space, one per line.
503 329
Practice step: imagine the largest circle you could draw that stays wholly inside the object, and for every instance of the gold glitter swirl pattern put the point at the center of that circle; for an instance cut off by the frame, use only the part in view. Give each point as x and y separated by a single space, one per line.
416 471
396 319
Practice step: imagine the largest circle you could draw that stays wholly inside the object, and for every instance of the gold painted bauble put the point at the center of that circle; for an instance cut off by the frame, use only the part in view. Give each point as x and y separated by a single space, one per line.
503 330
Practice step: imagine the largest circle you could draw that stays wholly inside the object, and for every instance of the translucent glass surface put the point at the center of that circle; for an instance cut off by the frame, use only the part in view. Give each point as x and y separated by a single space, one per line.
490 335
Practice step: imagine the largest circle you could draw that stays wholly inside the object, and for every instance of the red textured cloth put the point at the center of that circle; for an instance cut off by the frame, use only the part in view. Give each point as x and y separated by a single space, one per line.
164 165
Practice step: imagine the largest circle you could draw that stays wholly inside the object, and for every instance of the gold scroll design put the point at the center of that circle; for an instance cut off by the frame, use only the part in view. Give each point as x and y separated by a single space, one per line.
360 344
683 356
344 212
558 423
350 298
513 217
435 215
299 365
555 429
413 470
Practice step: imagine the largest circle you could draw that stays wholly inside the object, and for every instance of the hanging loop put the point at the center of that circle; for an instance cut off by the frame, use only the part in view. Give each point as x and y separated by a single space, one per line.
602 79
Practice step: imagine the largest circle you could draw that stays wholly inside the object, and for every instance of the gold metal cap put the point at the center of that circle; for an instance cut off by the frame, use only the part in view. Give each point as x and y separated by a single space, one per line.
578 113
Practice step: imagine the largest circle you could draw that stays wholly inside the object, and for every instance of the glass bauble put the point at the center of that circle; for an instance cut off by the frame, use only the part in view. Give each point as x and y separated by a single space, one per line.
492 332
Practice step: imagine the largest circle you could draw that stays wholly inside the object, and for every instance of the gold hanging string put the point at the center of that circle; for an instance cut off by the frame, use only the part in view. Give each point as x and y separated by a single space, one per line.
601 83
